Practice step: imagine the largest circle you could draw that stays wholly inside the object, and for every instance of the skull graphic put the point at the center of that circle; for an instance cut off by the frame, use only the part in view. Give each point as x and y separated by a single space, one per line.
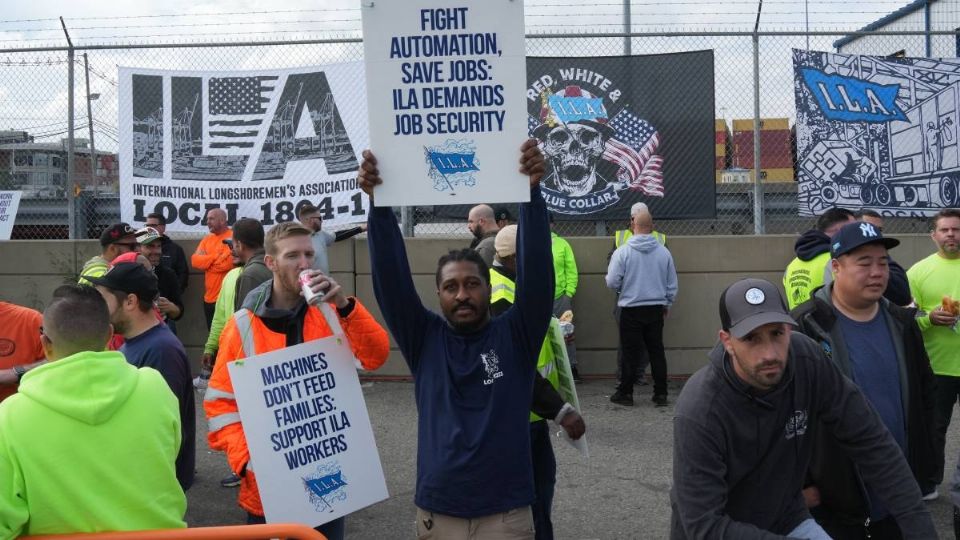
575 150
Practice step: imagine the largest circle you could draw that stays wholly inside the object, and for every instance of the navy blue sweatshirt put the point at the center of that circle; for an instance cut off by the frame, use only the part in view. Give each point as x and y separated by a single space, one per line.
472 389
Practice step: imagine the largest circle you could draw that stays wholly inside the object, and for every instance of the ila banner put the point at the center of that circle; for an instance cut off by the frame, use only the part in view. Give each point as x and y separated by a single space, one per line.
869 135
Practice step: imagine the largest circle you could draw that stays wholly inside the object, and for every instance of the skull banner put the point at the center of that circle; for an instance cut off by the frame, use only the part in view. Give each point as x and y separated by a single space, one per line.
621 130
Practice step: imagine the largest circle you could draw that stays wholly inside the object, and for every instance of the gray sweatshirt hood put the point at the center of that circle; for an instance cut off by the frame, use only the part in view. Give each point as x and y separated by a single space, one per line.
643 243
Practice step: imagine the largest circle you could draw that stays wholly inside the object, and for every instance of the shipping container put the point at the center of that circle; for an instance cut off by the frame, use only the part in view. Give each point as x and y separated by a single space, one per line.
722 146
776 148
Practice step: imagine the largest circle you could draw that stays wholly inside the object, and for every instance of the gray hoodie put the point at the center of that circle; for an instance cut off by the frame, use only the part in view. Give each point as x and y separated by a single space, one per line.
642 270
740 457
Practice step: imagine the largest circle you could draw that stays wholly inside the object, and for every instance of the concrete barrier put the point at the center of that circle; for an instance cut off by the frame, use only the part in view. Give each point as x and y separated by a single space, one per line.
31 270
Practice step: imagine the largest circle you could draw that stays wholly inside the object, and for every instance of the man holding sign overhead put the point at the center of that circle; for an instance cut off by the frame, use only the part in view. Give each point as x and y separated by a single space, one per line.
274 316
473 375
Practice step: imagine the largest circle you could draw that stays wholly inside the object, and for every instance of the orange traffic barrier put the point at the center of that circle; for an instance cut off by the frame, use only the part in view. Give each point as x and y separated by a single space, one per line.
235 532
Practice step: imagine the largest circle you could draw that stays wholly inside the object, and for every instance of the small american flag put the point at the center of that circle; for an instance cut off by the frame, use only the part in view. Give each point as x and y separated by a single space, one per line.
634 150
236 112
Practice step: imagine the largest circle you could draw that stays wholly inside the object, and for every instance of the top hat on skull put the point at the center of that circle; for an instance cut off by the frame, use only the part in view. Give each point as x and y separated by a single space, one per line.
575 147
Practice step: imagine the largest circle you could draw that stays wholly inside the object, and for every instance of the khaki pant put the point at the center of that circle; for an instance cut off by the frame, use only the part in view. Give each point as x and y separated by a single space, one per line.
516 524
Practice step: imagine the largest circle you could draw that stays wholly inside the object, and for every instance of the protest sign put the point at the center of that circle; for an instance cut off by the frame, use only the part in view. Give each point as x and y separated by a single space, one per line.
310 439
257 144
567 387
445 94
9 203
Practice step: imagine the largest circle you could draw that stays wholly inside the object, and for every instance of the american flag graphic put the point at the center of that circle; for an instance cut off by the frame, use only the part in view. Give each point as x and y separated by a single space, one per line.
635 150
237 109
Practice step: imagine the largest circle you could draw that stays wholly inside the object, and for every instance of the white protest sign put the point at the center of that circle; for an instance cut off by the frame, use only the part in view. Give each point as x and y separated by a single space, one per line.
306 424
567 387
446 91
9 203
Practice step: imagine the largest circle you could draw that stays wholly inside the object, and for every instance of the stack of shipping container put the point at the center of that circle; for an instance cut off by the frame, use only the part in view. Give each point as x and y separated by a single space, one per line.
776 149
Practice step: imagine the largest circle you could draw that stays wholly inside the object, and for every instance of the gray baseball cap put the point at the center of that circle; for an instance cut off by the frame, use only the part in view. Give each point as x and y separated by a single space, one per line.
750 303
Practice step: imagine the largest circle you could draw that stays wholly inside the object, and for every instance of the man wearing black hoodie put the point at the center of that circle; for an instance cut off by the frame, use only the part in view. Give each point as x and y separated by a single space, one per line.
811 267
745 424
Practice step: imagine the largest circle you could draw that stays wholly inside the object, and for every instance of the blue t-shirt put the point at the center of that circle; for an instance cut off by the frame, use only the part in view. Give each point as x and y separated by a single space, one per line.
159 349
874 367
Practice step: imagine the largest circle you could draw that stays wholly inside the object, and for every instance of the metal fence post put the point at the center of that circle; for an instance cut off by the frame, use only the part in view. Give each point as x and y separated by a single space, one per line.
406 221
758 227
71 195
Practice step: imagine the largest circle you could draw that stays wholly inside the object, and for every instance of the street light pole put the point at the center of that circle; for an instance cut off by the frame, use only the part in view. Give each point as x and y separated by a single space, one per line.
93 148
806 11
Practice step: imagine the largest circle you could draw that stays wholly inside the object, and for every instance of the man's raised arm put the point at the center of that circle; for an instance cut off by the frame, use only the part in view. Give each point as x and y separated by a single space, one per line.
392 283
535 279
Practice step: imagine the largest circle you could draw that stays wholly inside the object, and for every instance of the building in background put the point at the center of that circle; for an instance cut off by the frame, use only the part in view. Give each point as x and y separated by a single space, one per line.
39 170
919 15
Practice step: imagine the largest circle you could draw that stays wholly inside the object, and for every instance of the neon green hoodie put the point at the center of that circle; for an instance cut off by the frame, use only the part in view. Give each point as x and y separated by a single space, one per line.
564 267
930 280
88 445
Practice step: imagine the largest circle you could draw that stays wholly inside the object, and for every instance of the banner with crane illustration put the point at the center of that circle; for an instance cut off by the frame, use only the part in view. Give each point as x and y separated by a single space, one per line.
877 132
257 144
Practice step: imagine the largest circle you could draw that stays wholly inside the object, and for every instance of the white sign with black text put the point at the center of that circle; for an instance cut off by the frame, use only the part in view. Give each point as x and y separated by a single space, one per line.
9 203
306 424
446 91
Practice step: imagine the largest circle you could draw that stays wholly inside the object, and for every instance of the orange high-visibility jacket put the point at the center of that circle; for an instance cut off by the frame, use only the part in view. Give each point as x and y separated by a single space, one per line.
215 261
369 343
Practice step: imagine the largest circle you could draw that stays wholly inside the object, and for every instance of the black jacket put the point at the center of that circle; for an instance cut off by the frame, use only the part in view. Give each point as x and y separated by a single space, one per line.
841 488
740 456
169 287
173 257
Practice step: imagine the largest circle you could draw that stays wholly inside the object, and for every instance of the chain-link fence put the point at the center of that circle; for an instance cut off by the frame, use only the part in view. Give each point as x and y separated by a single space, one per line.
58 189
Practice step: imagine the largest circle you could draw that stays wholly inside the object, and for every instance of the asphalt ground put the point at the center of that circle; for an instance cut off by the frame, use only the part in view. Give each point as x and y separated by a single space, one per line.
620 492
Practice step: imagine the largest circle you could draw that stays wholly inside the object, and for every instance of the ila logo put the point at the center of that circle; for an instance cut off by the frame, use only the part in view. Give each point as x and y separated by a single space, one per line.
491 364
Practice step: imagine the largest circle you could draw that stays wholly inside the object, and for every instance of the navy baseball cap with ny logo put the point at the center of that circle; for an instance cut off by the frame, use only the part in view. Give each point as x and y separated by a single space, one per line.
856 234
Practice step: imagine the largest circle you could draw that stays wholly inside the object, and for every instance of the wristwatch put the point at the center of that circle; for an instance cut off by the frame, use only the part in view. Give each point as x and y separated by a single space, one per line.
19 372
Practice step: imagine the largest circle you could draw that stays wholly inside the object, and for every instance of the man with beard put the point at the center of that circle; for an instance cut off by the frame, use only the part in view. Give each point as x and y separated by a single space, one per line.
310 217
744 426
473 374
932 281
878 346
172 255
482 223
129 290
275 316
169 302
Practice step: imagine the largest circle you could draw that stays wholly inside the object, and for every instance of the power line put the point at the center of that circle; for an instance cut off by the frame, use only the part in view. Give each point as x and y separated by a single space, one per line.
186 25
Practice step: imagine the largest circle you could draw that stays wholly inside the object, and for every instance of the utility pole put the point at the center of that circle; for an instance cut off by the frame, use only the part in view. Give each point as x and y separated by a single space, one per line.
71 196
758 217
93 148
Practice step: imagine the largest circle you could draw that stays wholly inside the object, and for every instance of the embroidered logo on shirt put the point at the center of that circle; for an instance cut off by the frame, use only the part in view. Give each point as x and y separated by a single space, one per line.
491 363
796 425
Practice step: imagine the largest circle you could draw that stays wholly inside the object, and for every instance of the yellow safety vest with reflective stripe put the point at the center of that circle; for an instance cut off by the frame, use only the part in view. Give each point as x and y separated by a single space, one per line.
620 237
802 277
503 288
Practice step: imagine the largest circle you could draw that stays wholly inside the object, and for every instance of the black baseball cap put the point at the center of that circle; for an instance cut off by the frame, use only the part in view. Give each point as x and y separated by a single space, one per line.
856 234
116 233
501 213
751 303
130 278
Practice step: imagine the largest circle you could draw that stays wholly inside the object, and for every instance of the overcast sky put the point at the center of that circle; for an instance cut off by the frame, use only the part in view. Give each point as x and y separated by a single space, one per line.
33 85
